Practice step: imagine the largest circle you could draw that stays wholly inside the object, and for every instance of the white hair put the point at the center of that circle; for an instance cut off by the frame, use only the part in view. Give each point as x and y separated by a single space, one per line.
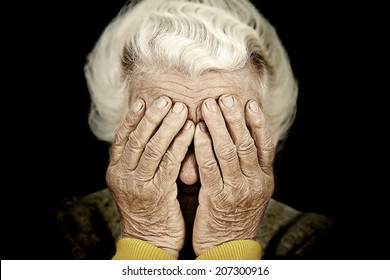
193 37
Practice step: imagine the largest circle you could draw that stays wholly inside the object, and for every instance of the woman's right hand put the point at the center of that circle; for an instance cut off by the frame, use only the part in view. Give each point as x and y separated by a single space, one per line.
144 164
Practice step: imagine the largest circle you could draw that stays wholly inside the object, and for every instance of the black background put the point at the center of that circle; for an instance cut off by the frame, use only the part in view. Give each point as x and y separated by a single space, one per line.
327 164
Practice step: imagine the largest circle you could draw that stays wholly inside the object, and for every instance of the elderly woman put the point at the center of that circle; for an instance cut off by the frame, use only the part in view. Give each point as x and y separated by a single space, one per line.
194 97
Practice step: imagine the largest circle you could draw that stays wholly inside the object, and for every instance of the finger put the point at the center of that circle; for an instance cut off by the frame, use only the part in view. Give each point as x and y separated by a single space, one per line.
159 143
224 147
148 125
235 122
169 168
132 119
263 140
210 175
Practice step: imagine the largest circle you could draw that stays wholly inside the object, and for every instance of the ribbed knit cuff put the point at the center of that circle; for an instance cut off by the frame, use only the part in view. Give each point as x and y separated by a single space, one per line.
134 249
234 250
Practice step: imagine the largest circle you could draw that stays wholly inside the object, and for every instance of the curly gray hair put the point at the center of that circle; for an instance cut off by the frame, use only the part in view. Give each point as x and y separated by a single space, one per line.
191 36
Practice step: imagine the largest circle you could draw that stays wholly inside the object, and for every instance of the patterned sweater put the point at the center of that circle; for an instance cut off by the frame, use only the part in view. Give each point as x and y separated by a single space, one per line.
90 228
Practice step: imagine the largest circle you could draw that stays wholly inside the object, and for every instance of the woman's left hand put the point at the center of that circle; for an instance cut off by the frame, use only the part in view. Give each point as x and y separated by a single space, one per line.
235 168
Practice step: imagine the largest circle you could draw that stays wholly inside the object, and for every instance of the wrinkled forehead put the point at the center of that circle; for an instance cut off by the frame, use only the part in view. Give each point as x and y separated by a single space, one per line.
192 91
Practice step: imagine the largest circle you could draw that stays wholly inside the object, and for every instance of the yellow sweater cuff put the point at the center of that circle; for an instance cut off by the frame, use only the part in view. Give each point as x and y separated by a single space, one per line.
134 249
234 250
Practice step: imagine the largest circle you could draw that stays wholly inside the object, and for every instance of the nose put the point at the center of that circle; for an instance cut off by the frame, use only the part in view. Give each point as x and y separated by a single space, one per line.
189 169
195 114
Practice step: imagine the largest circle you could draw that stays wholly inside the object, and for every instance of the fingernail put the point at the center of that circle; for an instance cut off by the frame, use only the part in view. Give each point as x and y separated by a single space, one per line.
137 106
188 125
253 106
211 105
161 102
178 107
203 127
228 101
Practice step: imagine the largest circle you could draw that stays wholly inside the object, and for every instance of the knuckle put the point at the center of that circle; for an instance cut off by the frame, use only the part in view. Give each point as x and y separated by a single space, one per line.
135 141
264 187
113 179
270 189
112 172
210 172
268 170
118 138
165 172
243 194
245 198
178 143
173 121
247 146
215 122
258 123
169 158
209 164
235 118
266 158
153 149
169 125
267 192
227 152
235 180
202 141
110 176
224 201
154 118
143 173
252 170
268 143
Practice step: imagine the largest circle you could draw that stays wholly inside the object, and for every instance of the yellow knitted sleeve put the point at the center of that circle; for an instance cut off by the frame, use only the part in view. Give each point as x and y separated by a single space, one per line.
234 250
134 249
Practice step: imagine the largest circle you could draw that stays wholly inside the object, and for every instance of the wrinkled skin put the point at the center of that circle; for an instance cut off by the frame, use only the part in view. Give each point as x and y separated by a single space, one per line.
233 151
235 167
142 173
